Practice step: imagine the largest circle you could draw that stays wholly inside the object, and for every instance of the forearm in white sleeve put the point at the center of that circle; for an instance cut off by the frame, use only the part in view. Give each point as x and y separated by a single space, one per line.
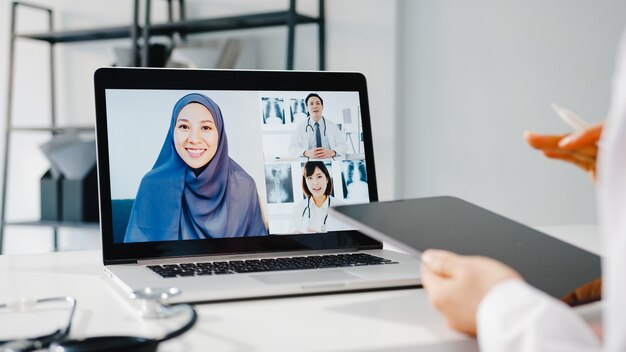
295 144
340 145
516 317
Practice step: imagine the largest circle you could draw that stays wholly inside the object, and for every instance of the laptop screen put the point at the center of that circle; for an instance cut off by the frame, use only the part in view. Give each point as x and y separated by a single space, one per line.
190 165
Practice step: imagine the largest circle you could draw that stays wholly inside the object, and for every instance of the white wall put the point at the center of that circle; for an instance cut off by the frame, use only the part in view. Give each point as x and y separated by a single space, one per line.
473 75
364 43
453 85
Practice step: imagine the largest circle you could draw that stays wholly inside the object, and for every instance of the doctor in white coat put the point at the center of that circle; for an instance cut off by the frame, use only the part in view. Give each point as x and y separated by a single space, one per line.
311 214
317 137
481 296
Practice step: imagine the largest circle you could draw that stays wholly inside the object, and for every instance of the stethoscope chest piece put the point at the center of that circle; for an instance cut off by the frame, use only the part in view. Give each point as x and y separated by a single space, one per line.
153 302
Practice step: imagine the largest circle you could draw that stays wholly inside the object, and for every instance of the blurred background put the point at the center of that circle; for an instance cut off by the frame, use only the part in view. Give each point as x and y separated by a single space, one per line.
452 86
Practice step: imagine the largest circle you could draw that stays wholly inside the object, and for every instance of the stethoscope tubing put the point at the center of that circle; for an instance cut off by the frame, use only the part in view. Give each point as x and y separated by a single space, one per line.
308 125
308 207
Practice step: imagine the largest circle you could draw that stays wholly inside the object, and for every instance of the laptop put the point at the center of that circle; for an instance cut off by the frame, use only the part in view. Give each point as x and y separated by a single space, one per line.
450 223
219 183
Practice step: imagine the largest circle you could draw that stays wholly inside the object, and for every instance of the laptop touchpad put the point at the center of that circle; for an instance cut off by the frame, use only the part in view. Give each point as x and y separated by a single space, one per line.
289 278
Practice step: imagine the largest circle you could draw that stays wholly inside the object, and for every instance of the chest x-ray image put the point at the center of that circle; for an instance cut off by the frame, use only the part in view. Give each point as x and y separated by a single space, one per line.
297 110
279 183
354 179
273 112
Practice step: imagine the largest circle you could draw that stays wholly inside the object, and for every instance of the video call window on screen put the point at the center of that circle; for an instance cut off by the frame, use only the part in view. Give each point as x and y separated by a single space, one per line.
217 164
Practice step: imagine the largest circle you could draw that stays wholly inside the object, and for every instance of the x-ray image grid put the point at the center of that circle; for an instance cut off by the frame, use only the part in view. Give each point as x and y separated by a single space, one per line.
354 180
297 110
273 111
279 183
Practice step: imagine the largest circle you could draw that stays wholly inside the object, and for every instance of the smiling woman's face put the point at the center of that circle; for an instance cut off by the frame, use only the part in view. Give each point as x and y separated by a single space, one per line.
195 135
317 183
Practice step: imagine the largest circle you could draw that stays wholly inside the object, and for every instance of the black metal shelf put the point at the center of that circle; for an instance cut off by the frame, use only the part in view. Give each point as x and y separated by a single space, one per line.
80 35
56 129
49 223
140 36
269 19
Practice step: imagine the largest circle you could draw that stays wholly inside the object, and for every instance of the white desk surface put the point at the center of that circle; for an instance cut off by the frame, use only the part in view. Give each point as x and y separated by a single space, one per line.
400 320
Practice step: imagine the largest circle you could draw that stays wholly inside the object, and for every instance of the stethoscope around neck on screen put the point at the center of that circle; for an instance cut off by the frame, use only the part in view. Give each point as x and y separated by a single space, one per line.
308 125
307 209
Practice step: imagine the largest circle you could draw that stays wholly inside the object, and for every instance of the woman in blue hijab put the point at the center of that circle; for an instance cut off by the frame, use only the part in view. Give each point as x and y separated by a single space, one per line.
195 190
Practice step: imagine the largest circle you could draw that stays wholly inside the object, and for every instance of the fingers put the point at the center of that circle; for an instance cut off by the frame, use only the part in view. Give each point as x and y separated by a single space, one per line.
584 162
587 165
322 153
438 287
581 157
588 150
583 143
588 292
441 262
580 148
313 153
588 137
457 284
429 278
542 141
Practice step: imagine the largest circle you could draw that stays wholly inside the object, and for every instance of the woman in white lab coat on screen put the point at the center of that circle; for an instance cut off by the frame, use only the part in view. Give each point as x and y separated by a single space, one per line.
311 214
482 296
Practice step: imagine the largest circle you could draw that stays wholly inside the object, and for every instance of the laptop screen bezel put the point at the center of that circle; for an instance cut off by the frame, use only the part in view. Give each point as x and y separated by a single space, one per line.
185 79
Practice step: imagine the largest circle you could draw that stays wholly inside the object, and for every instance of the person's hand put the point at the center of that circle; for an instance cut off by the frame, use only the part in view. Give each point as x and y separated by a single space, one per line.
320 153
586 293
580 148
456 284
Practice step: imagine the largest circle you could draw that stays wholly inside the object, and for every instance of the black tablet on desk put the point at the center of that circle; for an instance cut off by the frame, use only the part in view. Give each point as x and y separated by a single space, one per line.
449 223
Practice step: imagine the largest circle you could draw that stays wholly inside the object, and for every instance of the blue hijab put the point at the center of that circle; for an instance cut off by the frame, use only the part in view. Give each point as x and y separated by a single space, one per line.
173 203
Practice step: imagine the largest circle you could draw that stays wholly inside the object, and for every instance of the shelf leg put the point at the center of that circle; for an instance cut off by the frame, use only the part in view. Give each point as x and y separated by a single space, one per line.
53 115
321 39
134 34
9 109
55 238
7 126
181 10
291 33
182 17
145 59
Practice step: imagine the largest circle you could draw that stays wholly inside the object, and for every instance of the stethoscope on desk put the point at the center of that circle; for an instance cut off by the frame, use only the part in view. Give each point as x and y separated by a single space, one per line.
308 209
42 341
152 306
308 125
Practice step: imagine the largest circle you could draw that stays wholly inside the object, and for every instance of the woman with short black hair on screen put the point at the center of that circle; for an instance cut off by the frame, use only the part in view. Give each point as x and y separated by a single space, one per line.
311 214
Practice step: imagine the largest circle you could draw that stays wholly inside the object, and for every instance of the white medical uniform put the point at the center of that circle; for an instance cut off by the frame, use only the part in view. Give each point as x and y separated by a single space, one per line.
516 317
302 223
303 137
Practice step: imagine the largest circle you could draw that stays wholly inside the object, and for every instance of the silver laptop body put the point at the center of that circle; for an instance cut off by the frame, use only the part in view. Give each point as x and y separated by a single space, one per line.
164 224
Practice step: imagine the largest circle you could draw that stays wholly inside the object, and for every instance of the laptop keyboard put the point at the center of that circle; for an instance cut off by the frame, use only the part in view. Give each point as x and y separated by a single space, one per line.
270 264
